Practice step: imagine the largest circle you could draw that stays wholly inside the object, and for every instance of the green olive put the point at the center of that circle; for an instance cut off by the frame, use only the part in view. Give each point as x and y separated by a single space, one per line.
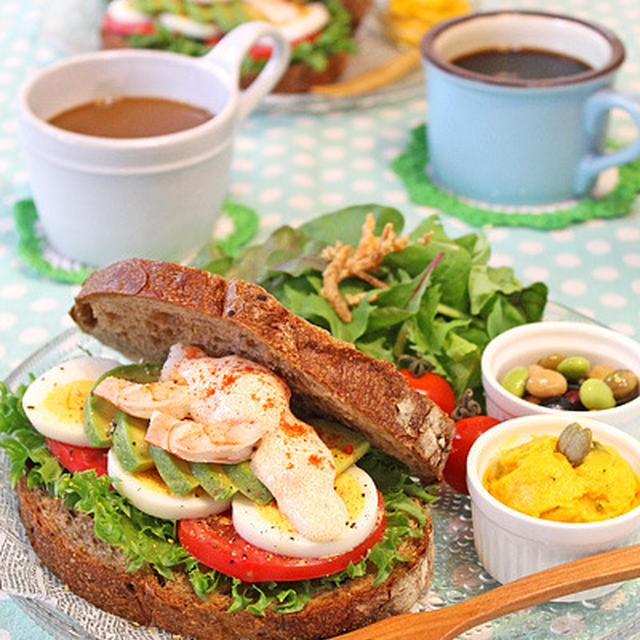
515 381
623 383
551 360
596 395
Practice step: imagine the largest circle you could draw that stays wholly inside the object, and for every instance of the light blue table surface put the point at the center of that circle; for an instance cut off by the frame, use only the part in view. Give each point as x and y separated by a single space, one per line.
292 166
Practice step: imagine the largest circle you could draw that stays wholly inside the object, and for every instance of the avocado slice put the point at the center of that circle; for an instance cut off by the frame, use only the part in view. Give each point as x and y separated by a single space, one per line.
213 480
175 472
346 446
243 477
99 415
129 445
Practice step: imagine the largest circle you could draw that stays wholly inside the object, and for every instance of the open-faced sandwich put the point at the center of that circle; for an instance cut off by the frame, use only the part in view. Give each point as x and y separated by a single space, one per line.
320 31
246 476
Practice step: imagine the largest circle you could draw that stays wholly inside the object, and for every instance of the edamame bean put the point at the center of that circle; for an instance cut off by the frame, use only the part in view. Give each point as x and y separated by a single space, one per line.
574 368
596 395
622 382
515 381
545 383
551 360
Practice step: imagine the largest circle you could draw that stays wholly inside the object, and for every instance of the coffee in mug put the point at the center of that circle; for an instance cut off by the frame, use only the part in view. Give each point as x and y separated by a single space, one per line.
518 103
105 198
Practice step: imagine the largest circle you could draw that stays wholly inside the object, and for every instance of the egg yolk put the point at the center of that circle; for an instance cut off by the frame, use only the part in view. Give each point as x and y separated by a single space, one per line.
152 480
66 401
347 487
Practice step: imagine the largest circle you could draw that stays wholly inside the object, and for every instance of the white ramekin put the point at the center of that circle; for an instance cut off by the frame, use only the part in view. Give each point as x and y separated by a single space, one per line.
510 544
525 344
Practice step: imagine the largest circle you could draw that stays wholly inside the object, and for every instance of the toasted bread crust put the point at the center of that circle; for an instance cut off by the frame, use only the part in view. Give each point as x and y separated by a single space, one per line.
96 571
142 307
357 9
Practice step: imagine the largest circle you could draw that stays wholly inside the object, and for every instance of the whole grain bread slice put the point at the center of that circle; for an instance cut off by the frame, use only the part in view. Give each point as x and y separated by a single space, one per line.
142 307
65 541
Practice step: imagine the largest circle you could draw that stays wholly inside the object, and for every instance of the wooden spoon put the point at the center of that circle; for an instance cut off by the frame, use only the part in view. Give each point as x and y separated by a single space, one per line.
448 623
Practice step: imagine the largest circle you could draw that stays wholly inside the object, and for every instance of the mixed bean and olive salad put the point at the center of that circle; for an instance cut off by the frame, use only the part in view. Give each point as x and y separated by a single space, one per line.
571 383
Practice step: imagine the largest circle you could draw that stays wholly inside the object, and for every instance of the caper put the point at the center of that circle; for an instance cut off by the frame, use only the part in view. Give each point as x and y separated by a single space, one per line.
515 381
575 443
551 360
574 368
596 395
623 383
545 383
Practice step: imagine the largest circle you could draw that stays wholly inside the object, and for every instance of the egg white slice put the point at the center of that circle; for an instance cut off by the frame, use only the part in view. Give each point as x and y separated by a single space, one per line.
54 401
265 527
122 11
189 27
312 18
150 494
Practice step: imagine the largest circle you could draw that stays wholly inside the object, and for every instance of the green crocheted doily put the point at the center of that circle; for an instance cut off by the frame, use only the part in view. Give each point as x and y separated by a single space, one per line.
410 166
35 252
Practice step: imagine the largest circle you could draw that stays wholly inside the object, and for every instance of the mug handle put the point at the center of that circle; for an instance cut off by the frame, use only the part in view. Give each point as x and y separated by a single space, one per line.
596 109
235 45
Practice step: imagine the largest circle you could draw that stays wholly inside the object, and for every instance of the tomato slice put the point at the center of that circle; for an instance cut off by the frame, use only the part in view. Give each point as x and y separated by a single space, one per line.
75 458
109 25
433 386
215 543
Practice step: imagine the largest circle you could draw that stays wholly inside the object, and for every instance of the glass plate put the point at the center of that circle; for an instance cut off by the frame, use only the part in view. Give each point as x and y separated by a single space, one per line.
72 26
458 574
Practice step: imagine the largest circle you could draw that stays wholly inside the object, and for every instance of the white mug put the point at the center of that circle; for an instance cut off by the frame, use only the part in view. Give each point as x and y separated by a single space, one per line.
104 199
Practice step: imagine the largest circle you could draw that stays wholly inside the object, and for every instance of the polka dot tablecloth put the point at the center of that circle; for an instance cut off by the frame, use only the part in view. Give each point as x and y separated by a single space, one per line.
290 167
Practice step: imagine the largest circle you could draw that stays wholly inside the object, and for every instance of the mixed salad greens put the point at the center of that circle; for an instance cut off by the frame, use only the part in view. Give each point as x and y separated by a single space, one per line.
443 302
336 37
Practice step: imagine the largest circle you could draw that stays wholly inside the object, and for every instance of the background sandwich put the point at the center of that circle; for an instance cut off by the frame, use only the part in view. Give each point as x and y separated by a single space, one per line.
92 537
320 31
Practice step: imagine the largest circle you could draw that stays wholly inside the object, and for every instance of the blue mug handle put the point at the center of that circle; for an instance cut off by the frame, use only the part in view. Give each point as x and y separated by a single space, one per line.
596 109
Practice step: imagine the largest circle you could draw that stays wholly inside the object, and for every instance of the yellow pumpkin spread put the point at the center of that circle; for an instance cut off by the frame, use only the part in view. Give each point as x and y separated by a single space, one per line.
536 479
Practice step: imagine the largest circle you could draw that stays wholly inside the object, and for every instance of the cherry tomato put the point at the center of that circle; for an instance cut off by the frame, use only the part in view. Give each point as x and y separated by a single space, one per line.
75 458
435 387
215 543
468 430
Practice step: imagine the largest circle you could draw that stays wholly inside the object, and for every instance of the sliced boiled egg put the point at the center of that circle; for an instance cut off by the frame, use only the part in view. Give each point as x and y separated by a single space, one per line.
265 527
310 19
147 491
122 11
189 27
54 402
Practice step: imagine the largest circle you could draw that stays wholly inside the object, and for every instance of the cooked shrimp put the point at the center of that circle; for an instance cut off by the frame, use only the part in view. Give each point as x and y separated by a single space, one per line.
197 442
178 354
232 403
234 390
141 400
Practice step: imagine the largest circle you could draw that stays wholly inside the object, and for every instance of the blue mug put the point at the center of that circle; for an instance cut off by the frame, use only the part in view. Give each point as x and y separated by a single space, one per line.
510 140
